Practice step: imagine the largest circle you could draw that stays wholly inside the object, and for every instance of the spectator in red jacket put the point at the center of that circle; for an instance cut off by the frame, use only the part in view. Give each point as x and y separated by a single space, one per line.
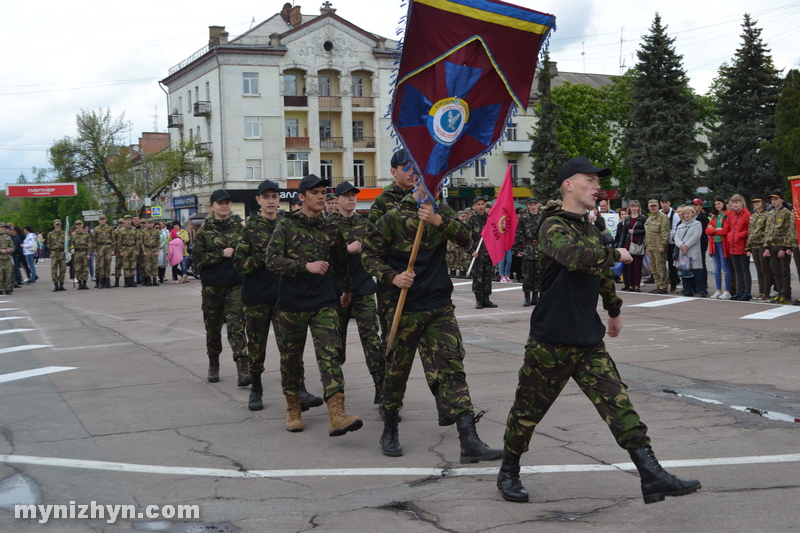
739 218
718 227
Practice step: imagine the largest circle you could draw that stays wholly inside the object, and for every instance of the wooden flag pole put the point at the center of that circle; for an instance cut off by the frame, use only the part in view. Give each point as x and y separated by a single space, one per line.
472 263
401 301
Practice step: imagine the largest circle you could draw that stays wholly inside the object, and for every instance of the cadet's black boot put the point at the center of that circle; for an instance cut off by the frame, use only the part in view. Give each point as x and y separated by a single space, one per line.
56 289
116 281
390 440
96 283
376 379
147 282
478 301
527 300
656 483
487 302
82 285
256 392
534 298
508 479
155 282
213 365
108 283
473 449
61 286
308 400
242 365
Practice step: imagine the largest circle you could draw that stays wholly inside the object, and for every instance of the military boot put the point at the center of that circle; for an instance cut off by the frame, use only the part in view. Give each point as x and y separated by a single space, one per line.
96 282
487 302
527 299
656 483
242 365
213 368
82 285
478 301
116 282
534 298
390 440
147 282
155 282
294 420
56 289
508 479
341 422
256 392
473 449
308 400
108 283
61 286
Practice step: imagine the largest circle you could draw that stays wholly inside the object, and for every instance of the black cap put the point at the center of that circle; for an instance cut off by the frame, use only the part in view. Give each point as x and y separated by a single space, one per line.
345 187
219 195
268 185
533 199
311 181
400 157
581 165
758 197
665 198
294 200
777 193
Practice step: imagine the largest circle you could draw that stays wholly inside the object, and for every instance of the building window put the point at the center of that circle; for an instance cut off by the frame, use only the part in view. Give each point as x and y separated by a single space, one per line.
250 83
326 168
358 86
359 172
291 127
290 85
189 94
514 168
511 132
253 169
180 104
480 169
208 91
324 85
196 93
297 165
252 127
358 130
325 129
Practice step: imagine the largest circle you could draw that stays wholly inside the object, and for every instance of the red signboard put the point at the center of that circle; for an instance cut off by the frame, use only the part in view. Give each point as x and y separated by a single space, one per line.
612 194
41 190
795 182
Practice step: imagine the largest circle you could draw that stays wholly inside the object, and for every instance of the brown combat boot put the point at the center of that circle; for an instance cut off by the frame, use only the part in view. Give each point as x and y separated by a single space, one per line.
294 421
242 366
341 422
213 368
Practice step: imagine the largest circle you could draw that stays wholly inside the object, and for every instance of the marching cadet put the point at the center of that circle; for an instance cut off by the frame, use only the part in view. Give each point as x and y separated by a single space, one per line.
260 290
129 245
483 269
7 261
214 245
362 298
308 249
82 243
150 239
566 338
103 242
403 172
526 246
58 263
428 320
780 237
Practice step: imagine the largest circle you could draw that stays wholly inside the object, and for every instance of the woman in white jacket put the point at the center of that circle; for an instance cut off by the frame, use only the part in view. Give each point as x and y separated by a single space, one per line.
30 247
687 245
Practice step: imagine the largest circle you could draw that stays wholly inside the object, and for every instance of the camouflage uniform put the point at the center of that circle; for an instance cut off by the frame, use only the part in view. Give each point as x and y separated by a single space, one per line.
483 269
526 242
657 230
58 264
6 263
573 256
780 234
82 243
428 319
103 244
756 240
307 300
128 245
222 285
150 240
118 259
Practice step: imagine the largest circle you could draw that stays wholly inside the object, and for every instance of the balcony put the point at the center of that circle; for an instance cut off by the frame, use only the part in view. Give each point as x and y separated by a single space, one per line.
295 101
361 182
175 121
364 142
516 147
202 108
330 143
522 182
363 101
297 142
458 182
203 150
330 103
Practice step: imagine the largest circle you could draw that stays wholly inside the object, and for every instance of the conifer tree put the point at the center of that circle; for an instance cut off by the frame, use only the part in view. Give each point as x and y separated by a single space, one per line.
546 153
785 146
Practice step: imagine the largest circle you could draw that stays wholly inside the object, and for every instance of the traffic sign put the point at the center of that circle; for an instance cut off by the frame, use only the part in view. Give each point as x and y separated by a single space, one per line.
94 213
156 211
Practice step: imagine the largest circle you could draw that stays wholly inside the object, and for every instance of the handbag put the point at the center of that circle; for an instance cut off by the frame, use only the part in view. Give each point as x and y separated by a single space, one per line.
685 267
637 248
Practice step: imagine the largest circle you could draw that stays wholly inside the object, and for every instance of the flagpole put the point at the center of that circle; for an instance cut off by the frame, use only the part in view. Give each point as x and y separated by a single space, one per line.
477 250
401 301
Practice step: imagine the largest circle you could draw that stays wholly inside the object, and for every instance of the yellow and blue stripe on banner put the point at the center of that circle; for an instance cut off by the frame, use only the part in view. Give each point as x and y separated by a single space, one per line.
502 14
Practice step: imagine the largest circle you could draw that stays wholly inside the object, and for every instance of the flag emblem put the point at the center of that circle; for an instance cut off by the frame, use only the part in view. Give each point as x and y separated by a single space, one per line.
446 120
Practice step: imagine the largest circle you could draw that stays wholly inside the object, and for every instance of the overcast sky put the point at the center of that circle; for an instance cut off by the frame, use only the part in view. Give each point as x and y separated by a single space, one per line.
60 57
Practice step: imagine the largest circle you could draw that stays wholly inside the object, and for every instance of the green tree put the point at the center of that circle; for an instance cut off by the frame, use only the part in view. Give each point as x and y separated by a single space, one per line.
661 130
746 95
785 146
175 166
546 152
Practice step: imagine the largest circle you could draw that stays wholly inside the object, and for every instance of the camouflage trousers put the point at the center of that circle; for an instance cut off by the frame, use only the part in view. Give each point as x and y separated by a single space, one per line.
531 275
128 261
385 317
222 305
58 266
782 270
118 262
6 273
150 263
258 318
658 266
362 309
435 332
482 274
102 260
291 329
545 372
81 263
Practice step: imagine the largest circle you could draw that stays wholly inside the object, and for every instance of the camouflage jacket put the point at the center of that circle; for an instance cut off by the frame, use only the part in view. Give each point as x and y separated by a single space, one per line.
779 229
209 244
354 229
7 243
55 240
391 196
150 238
388 249
526 240
260 285
657 231
82 241
756 234
103 236
127 238
476 223
298 240
575 269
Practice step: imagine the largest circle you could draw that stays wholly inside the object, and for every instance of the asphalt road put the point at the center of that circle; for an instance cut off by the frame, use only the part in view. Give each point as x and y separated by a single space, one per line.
127 417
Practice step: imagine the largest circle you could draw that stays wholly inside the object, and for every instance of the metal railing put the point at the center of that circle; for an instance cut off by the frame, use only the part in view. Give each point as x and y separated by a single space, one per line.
295 101
203 149
330 102
297 142
362 101
331 142
202 108
175 121
364 142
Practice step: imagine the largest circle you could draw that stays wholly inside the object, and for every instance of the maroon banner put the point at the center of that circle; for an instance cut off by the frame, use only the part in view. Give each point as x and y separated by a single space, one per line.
41 190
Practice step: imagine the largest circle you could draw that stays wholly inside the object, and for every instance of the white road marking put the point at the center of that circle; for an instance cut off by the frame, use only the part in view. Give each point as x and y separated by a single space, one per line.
14 376
16 330
508 289
11 309
667 301
462 283
24 347
489 313
416 472
12 317
769 314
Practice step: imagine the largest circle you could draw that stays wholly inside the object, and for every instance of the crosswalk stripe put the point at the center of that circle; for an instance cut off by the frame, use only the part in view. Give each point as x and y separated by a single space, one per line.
23 347
769 314
665 301
24 374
